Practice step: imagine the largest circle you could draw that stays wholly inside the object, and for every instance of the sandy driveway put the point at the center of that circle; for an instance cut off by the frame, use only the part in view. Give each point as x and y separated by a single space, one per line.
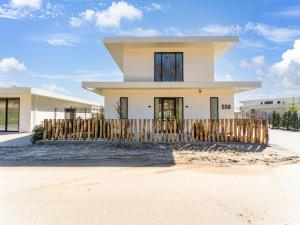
286 139
150 195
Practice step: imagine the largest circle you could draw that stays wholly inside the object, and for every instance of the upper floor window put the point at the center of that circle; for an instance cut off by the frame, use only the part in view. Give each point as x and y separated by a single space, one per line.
168 66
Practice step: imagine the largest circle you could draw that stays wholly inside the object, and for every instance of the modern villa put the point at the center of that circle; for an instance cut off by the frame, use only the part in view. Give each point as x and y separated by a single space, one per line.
169 78
265 107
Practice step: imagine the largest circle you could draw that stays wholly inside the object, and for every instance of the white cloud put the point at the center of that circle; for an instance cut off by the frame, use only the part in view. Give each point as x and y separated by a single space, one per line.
274 34
288 12
156 6
55 88
226 77
252 44
117 12
255 62
140 32
7 84
258 61
88 15
110 17
26 3
173 31
75 22
153 7
22 9
289 66
11 64
57 39
217 29
81 75
60 42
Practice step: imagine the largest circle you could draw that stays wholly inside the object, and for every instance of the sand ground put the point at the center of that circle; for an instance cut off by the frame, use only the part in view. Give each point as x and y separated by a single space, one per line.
285 139
104 183
181 194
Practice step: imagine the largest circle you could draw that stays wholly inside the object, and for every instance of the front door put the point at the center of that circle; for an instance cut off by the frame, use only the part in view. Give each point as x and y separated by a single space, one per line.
9 114
168 108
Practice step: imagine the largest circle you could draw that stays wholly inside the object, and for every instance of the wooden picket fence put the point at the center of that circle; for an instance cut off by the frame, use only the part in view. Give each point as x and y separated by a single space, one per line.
151 130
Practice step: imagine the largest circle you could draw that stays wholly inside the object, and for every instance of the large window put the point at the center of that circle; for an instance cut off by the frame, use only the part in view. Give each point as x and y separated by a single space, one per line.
123 108
9 114
214 108
168 108
168 66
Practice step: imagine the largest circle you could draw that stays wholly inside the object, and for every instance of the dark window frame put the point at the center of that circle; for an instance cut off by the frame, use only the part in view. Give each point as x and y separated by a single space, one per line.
182 107
269 102
218 116
125 117
160 75
6 114
72 111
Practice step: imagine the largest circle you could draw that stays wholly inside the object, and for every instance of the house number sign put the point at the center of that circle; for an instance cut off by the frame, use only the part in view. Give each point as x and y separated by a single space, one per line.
226 106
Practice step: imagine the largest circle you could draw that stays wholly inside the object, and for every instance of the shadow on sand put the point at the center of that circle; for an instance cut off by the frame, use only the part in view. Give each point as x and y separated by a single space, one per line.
113 154
14 139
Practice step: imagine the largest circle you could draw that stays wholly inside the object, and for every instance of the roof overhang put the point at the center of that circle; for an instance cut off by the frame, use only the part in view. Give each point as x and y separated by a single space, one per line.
39 92
116 45
237 86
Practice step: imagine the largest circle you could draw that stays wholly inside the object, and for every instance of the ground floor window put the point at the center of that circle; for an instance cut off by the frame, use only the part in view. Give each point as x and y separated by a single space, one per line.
214 108
166 108
9 114
70 113
123 108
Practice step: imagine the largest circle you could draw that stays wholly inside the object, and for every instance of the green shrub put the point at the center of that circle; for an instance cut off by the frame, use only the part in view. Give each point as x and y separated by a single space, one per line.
295 120
37 134
276 120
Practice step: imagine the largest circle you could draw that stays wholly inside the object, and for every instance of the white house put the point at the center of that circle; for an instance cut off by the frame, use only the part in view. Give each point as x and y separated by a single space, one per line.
169 77
21 108
265 107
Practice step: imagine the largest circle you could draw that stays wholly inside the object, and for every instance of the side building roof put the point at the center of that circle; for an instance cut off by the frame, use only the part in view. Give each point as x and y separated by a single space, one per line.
44 93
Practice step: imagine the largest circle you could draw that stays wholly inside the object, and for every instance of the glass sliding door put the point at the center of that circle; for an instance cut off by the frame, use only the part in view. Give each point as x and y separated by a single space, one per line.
168 108
2 114
9 114
13 110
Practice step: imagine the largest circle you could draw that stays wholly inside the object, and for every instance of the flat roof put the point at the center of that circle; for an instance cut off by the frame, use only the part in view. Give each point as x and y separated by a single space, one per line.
44 93
296 99
238 86
116 45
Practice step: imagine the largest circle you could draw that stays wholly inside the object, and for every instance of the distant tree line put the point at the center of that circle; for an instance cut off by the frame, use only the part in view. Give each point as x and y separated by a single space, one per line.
288 120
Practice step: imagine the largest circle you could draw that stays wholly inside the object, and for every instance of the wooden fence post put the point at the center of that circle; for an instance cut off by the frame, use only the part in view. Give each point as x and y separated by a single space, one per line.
231 130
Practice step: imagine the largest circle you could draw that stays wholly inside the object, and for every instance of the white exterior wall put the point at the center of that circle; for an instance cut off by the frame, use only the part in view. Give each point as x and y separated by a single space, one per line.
25 108
198 63
44 108
198 103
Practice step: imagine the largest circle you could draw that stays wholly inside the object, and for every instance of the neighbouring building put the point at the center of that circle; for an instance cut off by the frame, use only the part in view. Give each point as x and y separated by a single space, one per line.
22 108
265 107
169 78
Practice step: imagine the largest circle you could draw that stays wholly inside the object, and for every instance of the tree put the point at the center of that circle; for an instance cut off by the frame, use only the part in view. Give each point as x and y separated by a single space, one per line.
273 119
285 120
276 120
118 110
289 120
294 120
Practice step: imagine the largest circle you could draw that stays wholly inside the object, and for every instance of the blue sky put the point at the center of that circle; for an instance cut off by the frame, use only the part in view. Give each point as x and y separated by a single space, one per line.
55 45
